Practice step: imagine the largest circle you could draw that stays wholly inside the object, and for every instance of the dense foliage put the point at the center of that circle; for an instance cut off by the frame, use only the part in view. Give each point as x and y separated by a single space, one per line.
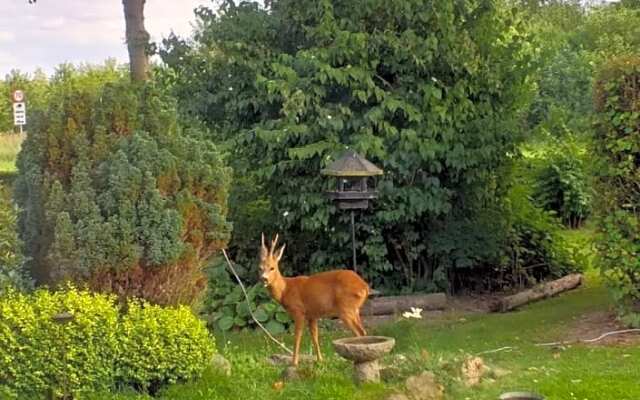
12 273
226 308
561 183
617 144
115 193
430 91
98 349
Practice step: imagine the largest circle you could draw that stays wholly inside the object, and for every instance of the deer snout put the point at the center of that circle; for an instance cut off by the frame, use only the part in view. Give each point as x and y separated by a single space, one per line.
265 278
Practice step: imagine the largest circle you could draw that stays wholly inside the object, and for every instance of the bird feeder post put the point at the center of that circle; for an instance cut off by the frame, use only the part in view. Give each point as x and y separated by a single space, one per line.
352 191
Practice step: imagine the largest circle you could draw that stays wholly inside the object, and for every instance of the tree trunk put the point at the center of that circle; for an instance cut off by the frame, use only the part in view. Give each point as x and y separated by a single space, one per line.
537 293
137 39
398 304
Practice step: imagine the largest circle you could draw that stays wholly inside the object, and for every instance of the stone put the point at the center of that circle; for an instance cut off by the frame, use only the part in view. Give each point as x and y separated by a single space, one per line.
221 364
290 373
473 369
285 359
424 387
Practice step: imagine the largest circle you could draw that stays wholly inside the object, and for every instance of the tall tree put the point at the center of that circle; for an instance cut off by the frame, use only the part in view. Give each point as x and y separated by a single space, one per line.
137 39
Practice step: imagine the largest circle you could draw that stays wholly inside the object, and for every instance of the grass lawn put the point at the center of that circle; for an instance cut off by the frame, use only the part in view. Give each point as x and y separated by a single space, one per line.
9 148
575 372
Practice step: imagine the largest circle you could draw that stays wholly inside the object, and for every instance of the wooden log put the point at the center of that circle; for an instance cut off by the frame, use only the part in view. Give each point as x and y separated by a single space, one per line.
538 292
399 304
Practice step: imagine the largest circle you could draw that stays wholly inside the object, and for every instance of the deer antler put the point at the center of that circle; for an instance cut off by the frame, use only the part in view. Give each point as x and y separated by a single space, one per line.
264 249
273 243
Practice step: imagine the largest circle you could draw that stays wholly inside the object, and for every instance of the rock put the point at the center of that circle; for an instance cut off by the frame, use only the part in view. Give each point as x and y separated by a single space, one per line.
221 364
285 359
397 396
424 387
473 369
290 374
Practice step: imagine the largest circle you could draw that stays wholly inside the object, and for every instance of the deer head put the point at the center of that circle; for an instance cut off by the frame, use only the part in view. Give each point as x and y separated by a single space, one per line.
269 260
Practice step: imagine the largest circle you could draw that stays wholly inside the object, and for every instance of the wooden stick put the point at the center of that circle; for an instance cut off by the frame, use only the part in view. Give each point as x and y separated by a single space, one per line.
246 296
496 350
604 335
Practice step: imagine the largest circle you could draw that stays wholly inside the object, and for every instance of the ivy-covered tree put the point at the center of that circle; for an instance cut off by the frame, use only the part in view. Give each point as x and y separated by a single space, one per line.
432 91
617 144
116 194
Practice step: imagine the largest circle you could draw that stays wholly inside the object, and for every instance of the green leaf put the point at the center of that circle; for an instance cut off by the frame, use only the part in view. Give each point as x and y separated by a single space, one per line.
225 323
261 315
283 317
274 327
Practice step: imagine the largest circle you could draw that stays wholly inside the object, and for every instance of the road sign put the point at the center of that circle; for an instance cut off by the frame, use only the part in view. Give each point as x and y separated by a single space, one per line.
19 114
17 96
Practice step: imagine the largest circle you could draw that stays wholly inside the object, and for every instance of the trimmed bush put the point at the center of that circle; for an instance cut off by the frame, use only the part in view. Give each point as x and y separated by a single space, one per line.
99 348
38 354
161 345
617 144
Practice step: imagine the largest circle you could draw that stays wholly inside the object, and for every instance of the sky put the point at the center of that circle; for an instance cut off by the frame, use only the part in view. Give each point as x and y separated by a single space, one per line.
51 32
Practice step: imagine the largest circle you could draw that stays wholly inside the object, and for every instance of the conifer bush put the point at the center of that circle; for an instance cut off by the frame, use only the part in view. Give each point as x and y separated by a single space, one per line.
115 193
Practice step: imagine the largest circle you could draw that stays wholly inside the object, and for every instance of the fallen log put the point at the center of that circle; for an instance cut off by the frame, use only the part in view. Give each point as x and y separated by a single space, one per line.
399 304
536 293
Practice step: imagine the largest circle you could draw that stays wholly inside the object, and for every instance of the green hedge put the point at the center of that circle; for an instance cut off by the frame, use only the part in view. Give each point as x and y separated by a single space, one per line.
99 348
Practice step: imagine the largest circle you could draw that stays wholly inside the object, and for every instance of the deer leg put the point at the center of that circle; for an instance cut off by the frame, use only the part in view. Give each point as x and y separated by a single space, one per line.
313 329
299 326
360 325
350 321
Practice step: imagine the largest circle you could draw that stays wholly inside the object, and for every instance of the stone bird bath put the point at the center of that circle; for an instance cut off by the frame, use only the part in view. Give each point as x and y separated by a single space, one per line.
364 352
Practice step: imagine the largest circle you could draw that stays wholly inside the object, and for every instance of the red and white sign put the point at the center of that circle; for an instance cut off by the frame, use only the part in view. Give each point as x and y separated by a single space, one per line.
17 96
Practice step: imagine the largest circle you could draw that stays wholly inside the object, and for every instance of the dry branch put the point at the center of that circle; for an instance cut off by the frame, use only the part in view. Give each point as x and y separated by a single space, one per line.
539 292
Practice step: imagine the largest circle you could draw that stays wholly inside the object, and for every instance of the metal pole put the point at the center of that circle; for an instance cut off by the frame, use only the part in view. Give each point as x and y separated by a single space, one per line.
20 129
353 240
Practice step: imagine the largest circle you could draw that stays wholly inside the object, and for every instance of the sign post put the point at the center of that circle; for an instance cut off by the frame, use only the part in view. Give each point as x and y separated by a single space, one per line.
19 108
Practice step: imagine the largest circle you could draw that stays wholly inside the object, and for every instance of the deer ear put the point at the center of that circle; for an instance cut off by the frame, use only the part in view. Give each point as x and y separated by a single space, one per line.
280 252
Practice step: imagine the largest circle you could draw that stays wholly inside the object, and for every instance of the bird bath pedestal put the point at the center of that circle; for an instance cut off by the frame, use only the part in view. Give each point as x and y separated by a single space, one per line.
364 351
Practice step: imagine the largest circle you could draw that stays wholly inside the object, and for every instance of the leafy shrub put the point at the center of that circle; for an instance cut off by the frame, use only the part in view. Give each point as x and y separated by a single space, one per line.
12 273
161 345
126 199
226 307
38 354
617 144
98 349
536 247
433 95
562 184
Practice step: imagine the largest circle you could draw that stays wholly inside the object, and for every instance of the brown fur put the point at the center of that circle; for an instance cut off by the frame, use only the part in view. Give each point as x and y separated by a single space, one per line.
337 293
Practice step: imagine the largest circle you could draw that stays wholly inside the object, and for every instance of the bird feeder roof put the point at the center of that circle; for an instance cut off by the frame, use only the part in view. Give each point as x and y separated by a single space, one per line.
352 164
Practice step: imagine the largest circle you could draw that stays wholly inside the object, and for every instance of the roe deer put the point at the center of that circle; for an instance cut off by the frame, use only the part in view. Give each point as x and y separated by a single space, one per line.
337 293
